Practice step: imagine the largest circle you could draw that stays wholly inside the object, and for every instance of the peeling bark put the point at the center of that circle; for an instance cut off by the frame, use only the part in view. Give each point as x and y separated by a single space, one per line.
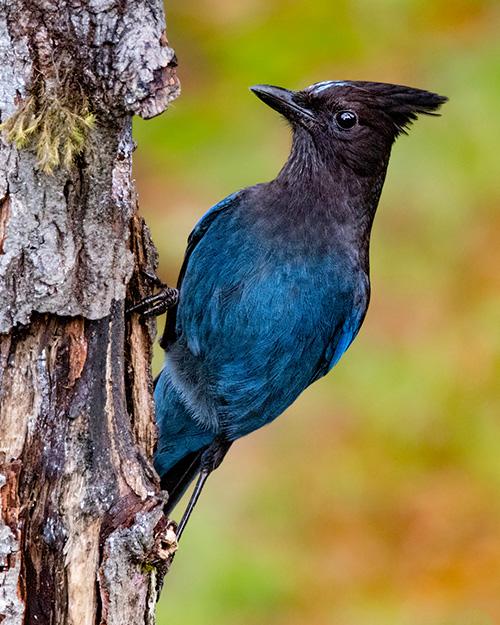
83 538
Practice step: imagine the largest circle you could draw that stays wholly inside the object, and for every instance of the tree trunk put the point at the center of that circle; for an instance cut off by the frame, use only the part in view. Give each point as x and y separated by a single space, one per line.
83 538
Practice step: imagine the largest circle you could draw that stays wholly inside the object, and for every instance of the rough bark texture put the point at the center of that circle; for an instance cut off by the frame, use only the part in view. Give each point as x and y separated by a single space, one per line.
83 538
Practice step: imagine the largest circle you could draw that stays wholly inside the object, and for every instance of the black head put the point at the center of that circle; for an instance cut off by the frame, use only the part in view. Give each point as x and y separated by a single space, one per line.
355 122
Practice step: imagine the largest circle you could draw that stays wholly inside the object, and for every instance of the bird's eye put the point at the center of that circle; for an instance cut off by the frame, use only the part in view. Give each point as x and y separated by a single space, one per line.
346 120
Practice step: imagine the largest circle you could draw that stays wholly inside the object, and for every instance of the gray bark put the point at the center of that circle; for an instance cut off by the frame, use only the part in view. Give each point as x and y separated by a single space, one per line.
117 52
83 538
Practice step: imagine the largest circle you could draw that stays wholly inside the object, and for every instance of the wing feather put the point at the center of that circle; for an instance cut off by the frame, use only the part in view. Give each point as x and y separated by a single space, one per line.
198 232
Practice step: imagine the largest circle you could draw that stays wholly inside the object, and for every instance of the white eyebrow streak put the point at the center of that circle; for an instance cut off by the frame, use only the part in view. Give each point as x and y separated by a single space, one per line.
326 84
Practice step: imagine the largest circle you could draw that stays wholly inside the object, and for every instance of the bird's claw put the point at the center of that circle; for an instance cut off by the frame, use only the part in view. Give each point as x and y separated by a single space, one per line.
154 279
159 303
156 304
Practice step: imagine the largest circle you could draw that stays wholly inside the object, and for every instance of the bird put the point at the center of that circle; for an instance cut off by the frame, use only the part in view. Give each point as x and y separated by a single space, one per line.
275 281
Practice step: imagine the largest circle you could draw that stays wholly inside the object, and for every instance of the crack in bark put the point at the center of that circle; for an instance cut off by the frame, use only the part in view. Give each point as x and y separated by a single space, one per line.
11 583
4 218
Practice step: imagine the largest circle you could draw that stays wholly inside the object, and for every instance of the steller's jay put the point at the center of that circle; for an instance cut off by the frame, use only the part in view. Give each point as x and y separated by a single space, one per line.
275 281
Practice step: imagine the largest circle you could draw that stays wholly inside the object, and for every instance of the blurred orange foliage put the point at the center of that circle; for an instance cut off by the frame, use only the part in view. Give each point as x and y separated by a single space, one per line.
376 498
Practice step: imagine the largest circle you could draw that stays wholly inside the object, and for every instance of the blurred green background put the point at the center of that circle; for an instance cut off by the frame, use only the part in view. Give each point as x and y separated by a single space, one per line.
376 498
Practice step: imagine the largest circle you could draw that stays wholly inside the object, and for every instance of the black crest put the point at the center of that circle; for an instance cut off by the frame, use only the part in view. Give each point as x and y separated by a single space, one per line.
399 103
402 104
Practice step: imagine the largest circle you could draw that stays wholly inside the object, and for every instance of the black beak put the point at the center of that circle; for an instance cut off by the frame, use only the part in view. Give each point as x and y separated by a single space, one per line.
285 102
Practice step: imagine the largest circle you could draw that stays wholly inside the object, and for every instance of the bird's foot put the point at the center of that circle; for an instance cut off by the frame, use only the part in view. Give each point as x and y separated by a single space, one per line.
159 303
156 304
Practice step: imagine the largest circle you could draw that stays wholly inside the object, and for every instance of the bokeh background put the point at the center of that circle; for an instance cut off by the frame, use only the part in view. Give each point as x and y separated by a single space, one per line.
376 498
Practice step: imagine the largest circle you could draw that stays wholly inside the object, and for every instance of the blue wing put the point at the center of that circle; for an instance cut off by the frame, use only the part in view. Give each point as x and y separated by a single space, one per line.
340 344
198 232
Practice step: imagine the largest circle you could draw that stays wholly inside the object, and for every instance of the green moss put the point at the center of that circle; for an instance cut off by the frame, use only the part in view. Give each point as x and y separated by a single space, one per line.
56 129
